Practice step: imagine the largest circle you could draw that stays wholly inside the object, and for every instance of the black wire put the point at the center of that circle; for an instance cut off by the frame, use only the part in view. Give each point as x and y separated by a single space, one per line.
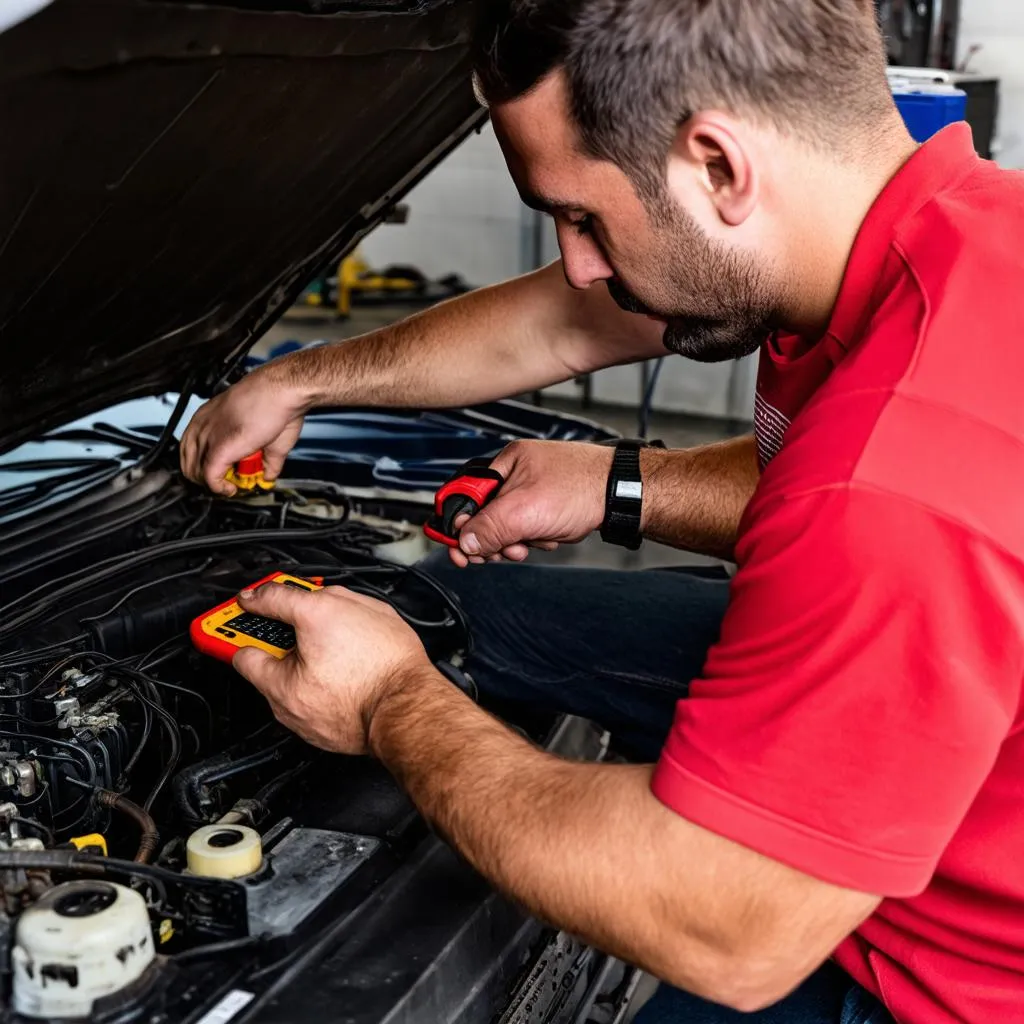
84 578
50 673
199 520
167 435
446 595
41 653
174 639
222 948
90 763
147 731
38 826
149 506
145 586
43 788
174 735
140 676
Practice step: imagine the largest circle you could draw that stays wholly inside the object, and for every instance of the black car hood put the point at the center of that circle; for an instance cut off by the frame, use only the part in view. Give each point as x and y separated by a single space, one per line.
172 175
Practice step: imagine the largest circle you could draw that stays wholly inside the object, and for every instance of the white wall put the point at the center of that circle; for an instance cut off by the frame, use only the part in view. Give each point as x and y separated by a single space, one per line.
998 27
464 217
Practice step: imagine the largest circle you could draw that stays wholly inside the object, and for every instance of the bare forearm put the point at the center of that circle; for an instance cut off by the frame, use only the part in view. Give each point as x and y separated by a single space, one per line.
564 839
504 340
694 497
588 848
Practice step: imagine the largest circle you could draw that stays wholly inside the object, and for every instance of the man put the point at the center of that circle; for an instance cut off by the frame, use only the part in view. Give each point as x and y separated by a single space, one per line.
844 777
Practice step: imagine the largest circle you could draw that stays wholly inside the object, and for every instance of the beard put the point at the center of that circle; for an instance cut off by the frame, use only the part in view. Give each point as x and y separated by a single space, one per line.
717 304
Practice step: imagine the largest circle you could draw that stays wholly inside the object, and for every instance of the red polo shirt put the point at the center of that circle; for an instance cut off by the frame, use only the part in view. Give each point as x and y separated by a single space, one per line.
861 717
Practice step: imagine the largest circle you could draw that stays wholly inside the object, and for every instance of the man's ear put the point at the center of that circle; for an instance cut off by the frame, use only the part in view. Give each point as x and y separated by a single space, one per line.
709 148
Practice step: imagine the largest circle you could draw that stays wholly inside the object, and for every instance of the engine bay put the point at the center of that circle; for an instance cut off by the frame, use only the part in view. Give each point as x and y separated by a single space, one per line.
159 830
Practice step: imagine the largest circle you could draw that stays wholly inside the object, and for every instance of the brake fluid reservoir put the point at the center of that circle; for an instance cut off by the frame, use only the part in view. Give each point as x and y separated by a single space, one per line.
79 942
224 851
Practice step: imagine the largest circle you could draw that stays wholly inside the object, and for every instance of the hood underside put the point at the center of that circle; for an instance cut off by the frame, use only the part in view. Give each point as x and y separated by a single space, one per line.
172 175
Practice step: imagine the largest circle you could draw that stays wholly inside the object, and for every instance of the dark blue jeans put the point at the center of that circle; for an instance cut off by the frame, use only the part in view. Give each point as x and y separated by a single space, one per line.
619 648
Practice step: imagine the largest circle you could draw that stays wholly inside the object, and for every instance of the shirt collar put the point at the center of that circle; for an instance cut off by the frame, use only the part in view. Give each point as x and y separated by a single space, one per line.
942 161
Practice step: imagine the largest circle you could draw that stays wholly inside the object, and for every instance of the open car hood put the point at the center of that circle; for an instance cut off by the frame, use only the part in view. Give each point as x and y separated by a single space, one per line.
172 175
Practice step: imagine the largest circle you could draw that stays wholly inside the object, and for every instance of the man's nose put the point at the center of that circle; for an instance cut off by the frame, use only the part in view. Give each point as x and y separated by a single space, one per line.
582 259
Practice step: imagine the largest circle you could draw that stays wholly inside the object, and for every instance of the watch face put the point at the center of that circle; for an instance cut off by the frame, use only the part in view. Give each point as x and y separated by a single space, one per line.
629 489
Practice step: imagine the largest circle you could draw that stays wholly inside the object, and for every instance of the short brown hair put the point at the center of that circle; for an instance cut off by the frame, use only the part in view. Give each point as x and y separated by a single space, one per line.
637 69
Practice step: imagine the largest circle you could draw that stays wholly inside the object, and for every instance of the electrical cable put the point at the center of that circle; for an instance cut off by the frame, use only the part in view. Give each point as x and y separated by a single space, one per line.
112 567
138 675
49 674
167 434
145 586
41 653
149 506
174 735
222 948
60 744
37 826
147 731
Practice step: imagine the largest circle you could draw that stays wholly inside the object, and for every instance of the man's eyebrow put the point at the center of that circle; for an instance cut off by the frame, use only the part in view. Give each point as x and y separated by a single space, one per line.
549 204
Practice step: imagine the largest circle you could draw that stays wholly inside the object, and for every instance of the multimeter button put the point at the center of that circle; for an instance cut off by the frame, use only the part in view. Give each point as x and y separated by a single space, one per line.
269 631
227 632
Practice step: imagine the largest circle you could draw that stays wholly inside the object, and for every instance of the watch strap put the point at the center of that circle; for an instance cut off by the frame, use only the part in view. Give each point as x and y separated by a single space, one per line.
624 497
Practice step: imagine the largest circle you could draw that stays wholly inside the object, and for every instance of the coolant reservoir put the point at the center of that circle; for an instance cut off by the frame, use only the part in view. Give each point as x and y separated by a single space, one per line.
79 942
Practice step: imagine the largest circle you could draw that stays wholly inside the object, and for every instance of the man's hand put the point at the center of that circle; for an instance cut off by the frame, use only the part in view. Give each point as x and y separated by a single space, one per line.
264 410
351 652
553 494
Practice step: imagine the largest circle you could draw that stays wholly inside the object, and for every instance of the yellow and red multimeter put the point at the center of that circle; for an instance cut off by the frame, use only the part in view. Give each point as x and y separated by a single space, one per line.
224 630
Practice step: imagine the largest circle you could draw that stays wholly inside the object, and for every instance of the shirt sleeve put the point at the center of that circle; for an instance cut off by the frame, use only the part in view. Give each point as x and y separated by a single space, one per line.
867 672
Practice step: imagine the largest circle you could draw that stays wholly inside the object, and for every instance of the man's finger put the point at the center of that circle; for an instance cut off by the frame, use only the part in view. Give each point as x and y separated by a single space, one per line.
216 466
516 552
276 602
263 670
458 558
494 528
273 460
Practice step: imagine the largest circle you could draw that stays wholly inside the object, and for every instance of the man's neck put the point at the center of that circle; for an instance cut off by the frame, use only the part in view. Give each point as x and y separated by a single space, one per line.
829 227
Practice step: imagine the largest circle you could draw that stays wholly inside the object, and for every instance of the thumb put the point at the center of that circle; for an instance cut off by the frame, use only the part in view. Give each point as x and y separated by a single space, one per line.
274 601
277 451
261 669
494 528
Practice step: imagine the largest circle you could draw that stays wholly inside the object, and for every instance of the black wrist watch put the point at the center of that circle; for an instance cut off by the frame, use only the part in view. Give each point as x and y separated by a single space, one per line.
624 496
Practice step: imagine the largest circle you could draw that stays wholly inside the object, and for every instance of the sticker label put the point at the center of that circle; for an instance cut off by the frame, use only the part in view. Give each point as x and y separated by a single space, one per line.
228 1007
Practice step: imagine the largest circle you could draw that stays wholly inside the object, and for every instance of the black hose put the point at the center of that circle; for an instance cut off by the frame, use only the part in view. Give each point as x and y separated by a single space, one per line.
167 434
149 840
188 784
222 948
51 594
36 826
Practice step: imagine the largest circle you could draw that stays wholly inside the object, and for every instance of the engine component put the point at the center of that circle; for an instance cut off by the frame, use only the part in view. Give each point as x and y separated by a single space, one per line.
283 900
149 839
19 776
224 851
80 942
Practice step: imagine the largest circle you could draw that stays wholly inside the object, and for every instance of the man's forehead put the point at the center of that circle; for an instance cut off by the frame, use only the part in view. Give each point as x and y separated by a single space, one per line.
541 147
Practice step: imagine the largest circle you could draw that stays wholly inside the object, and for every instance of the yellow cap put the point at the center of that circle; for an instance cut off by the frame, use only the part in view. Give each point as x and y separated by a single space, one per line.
92 839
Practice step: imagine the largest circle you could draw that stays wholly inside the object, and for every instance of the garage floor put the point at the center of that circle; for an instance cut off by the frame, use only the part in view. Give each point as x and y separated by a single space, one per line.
675 430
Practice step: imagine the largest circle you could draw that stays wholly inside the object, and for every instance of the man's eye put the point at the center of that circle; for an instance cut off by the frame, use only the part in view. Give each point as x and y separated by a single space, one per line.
583 226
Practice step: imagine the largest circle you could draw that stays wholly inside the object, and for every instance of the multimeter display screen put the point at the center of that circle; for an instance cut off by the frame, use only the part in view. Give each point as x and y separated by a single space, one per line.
270 631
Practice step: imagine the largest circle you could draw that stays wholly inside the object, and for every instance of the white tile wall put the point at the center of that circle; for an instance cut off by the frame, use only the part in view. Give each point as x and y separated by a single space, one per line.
465 218
998 27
